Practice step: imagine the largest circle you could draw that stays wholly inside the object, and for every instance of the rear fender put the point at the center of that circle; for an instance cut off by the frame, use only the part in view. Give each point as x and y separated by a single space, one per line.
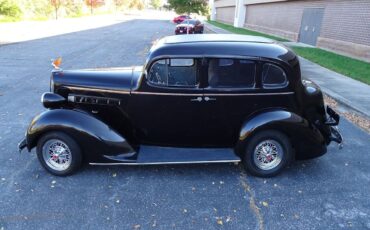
305 138
94 136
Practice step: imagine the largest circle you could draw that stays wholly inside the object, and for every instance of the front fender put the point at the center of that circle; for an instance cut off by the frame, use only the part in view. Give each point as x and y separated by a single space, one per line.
305 138
94 136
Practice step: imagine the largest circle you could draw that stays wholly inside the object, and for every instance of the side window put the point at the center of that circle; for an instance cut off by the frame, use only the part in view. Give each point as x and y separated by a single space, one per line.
177 72
231 73
273 76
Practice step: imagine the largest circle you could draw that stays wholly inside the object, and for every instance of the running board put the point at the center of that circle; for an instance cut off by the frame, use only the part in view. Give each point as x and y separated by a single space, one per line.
154 155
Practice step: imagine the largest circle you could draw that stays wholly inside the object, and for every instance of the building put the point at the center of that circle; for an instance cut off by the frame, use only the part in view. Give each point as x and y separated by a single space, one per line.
339 25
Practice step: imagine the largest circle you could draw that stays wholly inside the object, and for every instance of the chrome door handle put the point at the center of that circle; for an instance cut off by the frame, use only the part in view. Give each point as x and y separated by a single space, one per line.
209 99
199 99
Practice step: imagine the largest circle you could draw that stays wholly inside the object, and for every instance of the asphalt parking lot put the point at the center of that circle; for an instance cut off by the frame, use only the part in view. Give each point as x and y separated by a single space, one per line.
331 192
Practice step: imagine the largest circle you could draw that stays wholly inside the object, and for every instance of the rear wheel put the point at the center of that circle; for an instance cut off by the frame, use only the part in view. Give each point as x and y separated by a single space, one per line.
59 154
267 153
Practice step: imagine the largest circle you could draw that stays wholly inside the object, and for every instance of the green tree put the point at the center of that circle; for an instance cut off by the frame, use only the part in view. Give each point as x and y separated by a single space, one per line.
156 3
73 8
189 6
10 8
119 4
138 4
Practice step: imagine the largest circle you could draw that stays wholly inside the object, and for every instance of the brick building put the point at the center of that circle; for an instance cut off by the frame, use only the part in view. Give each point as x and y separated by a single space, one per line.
339 25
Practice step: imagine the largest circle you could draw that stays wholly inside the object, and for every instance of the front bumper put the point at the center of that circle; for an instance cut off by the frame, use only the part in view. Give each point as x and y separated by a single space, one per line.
332 121
22 145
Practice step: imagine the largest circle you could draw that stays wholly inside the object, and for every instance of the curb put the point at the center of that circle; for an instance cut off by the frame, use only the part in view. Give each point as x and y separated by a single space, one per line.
341 100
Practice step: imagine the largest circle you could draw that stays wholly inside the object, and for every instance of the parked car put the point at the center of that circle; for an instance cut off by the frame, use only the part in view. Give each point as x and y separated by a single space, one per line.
190 26
180 18
197 99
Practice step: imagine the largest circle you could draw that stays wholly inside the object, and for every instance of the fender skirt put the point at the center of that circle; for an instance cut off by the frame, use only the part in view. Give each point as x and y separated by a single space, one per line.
306 139
97 140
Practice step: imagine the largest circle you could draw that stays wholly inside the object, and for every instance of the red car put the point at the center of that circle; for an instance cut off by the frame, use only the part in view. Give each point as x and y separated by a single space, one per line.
180 18
190 26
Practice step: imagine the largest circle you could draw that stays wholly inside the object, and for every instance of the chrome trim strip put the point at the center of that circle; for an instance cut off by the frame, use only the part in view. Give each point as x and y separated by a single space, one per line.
168 94
166 163
210 94
98 90
247 94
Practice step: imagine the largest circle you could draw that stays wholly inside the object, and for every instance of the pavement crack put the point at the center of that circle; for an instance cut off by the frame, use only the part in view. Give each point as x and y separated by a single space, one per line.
252 200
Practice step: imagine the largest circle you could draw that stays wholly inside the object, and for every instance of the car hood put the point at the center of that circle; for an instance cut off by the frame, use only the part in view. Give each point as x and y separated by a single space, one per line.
185 25
118 79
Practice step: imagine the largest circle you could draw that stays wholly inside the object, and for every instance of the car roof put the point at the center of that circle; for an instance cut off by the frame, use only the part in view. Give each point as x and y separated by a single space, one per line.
220 45
215 38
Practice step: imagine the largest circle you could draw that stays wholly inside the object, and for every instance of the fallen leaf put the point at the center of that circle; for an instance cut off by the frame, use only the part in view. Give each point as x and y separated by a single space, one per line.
265 181
108 218
275 185
185 210
219 221
221 182
193 188
299 191
296 216
3 179
228 219
52 186
154 224
264 203
53 182
114 175
137 226
213 182
346 164
117 201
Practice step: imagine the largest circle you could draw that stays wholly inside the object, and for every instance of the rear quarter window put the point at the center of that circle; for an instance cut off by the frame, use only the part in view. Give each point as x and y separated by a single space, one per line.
273 76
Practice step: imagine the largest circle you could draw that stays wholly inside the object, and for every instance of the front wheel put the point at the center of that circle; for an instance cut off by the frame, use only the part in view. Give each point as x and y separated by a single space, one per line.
267 153
59 154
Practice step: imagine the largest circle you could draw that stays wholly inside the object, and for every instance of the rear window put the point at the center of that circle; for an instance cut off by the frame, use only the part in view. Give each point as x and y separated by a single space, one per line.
231 73
273 76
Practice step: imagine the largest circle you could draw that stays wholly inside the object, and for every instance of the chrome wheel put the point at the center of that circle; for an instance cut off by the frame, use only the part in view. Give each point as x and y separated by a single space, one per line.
56 154
268 154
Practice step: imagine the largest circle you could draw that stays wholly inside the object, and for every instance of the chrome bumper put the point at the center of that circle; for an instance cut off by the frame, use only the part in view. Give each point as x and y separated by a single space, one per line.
333 121
22 145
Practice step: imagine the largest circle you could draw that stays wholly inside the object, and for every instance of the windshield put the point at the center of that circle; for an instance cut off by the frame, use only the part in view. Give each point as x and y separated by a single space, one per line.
189 22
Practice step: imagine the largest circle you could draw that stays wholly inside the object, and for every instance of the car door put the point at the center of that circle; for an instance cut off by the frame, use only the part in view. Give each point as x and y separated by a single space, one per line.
166 108
229 98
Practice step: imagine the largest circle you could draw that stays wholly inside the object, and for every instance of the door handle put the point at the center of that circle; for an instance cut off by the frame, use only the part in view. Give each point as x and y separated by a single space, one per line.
209 99
199 99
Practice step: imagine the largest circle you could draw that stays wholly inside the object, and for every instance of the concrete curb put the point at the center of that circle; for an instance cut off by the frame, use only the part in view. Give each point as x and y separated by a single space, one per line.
340 99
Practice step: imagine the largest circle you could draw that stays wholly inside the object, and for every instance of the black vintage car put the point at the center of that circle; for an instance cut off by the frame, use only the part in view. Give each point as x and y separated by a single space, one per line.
198 99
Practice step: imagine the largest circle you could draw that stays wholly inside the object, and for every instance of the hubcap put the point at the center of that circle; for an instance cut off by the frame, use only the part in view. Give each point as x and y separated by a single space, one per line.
268 154
57 154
